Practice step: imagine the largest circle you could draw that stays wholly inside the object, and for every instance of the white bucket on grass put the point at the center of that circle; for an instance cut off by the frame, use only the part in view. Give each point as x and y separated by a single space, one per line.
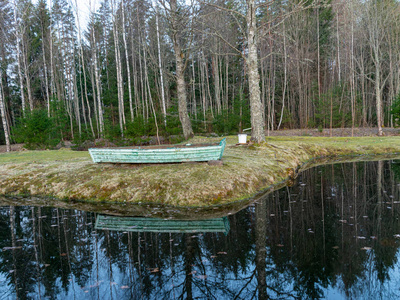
242 138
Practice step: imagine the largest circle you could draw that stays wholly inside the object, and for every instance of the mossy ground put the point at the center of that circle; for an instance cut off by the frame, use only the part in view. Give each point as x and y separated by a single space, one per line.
247 169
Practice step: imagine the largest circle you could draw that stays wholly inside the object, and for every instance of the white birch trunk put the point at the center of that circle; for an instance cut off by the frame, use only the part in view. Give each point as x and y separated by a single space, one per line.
96 115
338 48
97 96
98 86
284 76
119 75
21 79
147 84
135 84
227 82
194 90
3 116
74 92
164 109
51 56
378 97
352 82
45 77
127 61
121 85
142 89
27 77
318 56
84 74
214 61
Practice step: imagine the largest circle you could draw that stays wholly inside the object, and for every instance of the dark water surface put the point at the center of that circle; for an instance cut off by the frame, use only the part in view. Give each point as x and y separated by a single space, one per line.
334 234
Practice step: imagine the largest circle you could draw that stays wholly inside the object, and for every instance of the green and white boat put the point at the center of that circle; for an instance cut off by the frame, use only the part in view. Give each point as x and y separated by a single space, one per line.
159 154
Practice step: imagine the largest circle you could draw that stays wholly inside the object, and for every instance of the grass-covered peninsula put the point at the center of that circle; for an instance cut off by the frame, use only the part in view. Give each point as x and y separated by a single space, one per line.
247 169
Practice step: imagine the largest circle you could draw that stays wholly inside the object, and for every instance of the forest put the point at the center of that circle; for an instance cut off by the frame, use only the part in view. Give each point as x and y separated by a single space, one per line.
172 69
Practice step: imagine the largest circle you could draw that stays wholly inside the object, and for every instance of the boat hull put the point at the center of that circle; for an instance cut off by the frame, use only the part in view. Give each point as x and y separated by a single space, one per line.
164 155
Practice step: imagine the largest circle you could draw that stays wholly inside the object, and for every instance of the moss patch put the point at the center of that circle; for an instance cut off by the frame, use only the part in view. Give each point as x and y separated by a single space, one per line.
70 175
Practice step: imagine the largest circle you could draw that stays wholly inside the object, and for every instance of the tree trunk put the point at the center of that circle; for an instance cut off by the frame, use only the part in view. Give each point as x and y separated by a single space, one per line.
256 110
84 74
164 110
378 97
352 75
214 66
97 78
18 41
127 61
74 88
51 57
27 76
119 74
45 74
284 76
194 106
142 87
3 116
182 96
96 115
180 75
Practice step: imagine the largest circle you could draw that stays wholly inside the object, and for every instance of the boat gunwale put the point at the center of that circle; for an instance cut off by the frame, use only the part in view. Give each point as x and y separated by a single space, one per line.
160 147
158 150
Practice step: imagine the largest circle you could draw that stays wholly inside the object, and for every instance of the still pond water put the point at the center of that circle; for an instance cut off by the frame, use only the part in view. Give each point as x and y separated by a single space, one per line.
334 234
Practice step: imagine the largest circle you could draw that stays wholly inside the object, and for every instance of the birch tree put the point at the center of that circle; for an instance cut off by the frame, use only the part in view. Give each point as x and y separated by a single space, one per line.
3 115
121 109
17 26
44 21
83 70
128 69
26 12
160 68
6 49
95 67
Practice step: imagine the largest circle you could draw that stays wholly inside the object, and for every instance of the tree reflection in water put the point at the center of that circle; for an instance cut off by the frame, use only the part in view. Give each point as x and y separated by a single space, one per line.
335 233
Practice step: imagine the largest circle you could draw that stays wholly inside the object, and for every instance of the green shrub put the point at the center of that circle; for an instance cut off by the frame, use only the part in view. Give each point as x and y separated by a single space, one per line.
395 109
37 130
135 128
234 120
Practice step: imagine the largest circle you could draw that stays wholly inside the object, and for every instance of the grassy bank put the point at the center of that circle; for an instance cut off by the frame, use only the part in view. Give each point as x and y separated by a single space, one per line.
70 175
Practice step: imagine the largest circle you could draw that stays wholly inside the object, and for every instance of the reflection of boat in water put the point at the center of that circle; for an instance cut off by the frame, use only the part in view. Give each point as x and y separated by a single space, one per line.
140 224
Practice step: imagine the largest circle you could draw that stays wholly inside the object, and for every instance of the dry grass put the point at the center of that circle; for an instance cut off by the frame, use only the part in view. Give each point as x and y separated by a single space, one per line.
66 174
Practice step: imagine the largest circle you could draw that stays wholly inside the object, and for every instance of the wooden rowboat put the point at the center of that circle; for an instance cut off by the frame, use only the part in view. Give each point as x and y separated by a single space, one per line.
159 154
140 224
